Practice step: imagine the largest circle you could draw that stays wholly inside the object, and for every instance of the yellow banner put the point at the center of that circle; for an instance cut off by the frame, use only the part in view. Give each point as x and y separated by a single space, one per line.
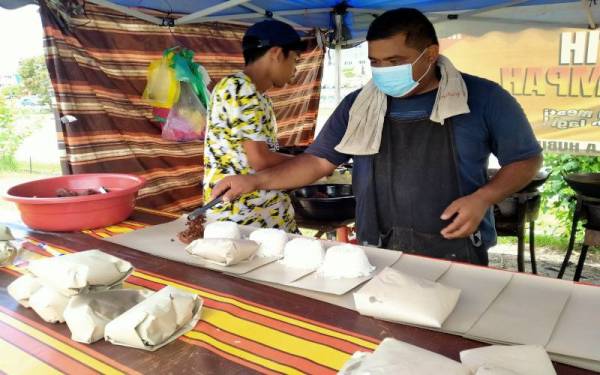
553 73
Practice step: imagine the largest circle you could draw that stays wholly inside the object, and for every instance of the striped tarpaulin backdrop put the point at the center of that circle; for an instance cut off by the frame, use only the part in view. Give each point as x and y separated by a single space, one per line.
97 62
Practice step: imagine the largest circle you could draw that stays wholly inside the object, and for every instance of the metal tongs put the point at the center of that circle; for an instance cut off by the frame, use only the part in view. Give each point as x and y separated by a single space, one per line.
202 210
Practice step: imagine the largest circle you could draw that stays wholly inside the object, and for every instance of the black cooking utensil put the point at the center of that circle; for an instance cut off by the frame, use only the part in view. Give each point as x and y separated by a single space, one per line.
202 210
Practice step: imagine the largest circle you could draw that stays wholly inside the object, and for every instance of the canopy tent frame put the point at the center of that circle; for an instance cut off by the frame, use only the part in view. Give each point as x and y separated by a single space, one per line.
210 14
336 29
588 12
193 17
469 13
337 39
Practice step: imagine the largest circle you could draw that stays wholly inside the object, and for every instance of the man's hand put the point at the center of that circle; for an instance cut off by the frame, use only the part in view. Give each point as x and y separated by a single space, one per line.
469 211
233 186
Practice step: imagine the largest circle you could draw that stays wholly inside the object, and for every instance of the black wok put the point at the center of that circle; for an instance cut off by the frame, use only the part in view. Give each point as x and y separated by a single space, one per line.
324 202
587 184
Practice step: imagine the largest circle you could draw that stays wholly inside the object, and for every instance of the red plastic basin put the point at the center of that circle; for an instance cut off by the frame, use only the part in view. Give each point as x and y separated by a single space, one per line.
41 209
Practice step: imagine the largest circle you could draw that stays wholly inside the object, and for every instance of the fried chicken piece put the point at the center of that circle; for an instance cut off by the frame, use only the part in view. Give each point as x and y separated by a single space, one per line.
194 230
63 193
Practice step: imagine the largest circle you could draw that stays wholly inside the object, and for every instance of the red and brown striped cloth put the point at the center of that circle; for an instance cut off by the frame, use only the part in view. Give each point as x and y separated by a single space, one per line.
97 62
254 336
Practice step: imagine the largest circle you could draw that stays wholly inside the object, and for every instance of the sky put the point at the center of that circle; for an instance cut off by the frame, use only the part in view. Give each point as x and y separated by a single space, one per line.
22 34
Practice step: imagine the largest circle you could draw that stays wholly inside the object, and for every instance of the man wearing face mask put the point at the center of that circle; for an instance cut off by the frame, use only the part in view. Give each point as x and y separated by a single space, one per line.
420 134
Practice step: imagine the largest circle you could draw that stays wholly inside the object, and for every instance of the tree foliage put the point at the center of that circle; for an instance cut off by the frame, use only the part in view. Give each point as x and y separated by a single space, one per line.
35 79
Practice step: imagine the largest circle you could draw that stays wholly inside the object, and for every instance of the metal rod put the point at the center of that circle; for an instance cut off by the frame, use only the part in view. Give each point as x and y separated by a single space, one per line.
284 13
303 11
576 215
521 211
193 17
366 11
128 11
580 263
350 42
491 8
439 18
229 17
532 246
588 12
338 73
518 22
338 58
275 16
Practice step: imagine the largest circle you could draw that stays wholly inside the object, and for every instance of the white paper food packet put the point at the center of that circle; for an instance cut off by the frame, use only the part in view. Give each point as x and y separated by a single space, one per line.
222 229
303 253
396 357
271 242
223 252
345 262
23 288
5 233
74 273
395 296
49 304
88 314
494 370
520 359
156 321
8 251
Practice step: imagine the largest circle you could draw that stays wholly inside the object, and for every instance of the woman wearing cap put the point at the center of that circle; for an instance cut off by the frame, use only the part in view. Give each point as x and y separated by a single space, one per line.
241 136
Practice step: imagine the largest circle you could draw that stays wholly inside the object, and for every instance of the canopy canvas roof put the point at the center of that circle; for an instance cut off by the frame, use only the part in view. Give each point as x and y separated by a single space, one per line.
350 19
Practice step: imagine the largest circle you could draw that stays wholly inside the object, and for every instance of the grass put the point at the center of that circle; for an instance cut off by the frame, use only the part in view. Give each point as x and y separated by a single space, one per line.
556 244
25 167
541 240
8 210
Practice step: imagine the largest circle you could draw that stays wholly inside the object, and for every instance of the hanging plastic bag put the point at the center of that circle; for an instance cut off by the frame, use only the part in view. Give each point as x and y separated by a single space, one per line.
186 70
187 118
162 89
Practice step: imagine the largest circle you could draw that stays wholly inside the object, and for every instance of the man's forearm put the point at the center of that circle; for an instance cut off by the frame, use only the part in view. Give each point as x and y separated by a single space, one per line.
274 158
509 179
296 172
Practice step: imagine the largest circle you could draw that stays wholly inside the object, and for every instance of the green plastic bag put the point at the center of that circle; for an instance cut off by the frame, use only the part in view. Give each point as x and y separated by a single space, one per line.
186 70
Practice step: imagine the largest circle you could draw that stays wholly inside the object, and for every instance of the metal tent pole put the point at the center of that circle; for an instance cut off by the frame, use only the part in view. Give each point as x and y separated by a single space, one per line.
588 12
338 73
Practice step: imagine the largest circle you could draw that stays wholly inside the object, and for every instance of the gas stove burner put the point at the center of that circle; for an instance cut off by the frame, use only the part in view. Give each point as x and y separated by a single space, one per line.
587 209
540 178
528 204
515 212
586 185
591 212
592 236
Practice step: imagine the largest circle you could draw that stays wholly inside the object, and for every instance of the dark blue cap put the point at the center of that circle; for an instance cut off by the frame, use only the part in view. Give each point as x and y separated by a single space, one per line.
272 33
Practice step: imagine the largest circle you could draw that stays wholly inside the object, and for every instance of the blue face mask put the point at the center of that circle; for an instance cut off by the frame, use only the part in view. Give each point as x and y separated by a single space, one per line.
397 81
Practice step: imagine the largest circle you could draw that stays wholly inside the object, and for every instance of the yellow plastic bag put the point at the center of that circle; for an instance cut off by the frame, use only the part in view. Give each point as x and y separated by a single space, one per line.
162 89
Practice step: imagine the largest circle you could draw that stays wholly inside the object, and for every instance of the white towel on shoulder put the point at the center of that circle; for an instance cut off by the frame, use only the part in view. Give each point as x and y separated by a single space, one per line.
367 114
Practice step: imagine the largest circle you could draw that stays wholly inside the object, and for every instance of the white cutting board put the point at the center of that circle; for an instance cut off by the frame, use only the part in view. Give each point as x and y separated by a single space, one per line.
479 288
577 333
377 257
161 241
526 311
423 267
